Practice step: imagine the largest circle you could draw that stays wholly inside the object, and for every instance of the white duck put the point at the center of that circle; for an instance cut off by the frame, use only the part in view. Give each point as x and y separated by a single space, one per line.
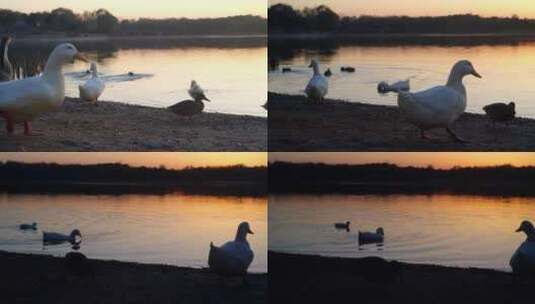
440 106
55 237
400 86
234 257
318 86
23 100
372 237
523 260
196 92
92 88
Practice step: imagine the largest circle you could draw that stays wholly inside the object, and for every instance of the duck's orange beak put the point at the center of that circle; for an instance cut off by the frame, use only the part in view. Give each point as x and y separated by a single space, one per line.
81 56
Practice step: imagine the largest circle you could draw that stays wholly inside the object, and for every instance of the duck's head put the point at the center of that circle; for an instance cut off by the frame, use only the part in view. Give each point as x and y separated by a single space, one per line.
512 106
6 40
243 230
526 227
67 53
313 64
193 83
75 233
348 223
463 68
93 68
34 225
380 231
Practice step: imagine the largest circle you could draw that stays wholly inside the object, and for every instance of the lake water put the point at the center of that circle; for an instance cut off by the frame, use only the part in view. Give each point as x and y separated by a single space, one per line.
232 71
171 229
465 231
508 71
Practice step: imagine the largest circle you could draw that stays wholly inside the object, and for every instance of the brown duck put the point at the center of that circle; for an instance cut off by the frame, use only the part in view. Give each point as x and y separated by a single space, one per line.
191 107
500 112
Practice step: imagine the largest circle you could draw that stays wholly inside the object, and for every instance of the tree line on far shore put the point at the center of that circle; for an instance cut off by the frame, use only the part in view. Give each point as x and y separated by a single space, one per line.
101 21
388 178
284 19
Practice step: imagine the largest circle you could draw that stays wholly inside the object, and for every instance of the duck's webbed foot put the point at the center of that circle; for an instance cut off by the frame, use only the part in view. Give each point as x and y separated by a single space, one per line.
457 138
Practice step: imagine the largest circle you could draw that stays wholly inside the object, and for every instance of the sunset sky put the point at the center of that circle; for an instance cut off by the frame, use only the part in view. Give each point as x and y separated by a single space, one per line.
155 9
523 8
170 160
437 160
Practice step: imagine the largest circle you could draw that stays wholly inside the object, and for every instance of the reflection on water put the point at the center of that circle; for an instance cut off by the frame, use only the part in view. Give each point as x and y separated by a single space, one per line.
441 229
232 71
507 69
170 229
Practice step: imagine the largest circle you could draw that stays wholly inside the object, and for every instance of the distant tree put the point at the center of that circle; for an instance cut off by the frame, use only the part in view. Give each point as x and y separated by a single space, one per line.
106 22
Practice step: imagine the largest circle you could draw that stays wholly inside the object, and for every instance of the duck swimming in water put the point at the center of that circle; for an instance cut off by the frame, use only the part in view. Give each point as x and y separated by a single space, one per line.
32 226
58 238
372 237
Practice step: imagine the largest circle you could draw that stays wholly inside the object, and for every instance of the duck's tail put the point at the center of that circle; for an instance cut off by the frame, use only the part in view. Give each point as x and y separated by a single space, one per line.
401 86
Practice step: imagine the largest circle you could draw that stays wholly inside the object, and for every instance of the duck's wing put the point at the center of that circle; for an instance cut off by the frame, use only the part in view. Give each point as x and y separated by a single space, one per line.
523 260
317 85
23 93
227 260
438 104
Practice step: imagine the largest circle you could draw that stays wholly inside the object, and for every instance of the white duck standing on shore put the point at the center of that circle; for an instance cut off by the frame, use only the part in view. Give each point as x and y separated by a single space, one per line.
440 106
25 99
523 260
92 88
58 238
234 257
317 87
196 92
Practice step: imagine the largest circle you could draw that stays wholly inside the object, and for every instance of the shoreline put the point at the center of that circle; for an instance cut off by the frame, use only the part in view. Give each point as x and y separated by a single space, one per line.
116 126
33 278
316 279
335 125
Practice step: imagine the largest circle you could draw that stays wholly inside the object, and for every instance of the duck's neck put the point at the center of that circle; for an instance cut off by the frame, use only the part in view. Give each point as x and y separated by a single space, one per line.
94 73
530 235
5 59
316 69
54 71
241 236
455 81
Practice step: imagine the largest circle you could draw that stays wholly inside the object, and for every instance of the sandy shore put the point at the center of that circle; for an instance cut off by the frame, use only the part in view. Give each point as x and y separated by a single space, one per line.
334 125
314 279
112 126
45 279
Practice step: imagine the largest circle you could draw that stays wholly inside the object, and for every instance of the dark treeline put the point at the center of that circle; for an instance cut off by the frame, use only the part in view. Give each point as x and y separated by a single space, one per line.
62 20
118 179
284 19
390 179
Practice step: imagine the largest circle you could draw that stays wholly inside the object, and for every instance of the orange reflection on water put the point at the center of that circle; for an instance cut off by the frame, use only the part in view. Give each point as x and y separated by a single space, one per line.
171 229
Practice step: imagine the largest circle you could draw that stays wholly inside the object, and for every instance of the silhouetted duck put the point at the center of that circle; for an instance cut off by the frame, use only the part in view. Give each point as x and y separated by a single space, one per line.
347 69
328 73
187 107
372 237
523 260
58 238
342 225
32 226
286 70
130 74
500 112
6 69
77 264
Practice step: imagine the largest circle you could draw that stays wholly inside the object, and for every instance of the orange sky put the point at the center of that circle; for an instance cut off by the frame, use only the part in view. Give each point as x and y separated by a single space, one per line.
437 160
169 159
153 9
523 8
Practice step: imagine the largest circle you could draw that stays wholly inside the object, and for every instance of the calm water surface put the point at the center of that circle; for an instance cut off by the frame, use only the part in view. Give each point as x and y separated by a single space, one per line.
466 231
508 72
232 74
170 229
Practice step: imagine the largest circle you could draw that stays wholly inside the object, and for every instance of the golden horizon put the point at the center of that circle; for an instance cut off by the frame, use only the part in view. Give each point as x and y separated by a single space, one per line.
439 160
171 160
